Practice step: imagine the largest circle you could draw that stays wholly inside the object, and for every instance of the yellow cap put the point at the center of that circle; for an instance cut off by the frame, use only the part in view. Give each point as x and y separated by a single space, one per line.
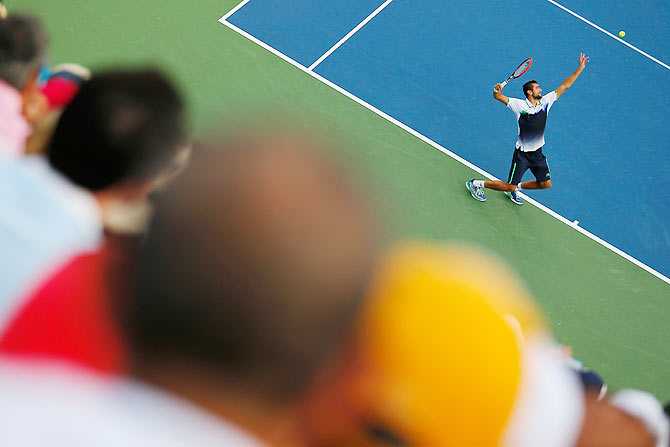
443 361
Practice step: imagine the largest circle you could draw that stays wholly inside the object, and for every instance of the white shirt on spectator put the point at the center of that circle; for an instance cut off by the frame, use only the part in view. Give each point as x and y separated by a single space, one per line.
44 221
61 406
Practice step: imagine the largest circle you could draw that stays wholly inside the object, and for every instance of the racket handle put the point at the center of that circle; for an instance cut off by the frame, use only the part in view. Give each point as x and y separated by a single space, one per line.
503 83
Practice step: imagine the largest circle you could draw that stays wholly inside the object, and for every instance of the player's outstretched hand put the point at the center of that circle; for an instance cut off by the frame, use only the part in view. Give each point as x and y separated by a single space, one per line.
498 87
583 60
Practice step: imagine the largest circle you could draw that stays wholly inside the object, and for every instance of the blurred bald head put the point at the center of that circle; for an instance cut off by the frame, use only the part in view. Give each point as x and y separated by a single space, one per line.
255 264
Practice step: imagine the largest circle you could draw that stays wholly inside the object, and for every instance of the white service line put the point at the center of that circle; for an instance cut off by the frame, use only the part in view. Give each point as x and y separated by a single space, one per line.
438 147
609 34
349 34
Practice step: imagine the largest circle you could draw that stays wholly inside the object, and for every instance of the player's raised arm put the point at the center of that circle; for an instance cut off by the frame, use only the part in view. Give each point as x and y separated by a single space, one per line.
583 60
497 94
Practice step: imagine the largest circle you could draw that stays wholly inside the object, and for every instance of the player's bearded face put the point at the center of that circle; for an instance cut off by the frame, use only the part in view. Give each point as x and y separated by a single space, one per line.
537 92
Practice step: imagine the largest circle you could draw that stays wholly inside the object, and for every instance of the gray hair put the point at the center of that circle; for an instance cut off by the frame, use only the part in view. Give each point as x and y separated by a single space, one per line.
23 48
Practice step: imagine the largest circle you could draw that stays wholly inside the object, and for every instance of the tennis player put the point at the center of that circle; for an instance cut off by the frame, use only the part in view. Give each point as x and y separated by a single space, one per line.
531 114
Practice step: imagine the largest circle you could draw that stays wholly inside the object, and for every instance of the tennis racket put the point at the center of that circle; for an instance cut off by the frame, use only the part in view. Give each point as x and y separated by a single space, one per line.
521 69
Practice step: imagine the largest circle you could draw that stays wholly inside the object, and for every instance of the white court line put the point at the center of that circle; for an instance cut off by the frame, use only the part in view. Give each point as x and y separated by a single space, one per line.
438 147
609 34
234 10
349 34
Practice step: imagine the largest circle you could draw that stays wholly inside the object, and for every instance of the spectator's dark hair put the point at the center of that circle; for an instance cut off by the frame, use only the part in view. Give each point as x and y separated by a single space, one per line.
121 125
528 86
253 268
23 49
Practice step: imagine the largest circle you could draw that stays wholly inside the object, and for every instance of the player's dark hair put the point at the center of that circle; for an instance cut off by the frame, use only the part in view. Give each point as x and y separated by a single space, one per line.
23 48
231 282
121 125
528 86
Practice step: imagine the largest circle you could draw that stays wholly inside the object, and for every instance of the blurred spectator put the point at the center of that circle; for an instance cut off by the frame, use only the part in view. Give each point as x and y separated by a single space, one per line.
71 309
110 144
68 318
23 52
438 361
63 84
3 10
59 88
256 263
591 381
42 131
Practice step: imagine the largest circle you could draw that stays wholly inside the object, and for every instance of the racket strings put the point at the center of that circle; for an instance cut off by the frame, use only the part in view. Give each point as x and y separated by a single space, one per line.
521 69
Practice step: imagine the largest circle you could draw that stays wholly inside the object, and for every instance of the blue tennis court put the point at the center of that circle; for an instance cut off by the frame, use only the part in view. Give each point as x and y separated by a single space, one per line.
431 65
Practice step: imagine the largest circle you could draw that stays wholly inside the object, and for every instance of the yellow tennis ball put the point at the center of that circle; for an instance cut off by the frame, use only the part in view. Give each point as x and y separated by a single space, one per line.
622 33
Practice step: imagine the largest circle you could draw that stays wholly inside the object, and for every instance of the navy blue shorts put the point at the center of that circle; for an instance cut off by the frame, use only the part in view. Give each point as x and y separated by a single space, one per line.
523 161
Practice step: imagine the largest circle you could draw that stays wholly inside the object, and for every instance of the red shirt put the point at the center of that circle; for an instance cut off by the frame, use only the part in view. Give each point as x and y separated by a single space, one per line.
60 91
68 318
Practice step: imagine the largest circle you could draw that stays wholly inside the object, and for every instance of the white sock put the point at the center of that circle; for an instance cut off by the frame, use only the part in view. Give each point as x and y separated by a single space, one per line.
518 187
478 183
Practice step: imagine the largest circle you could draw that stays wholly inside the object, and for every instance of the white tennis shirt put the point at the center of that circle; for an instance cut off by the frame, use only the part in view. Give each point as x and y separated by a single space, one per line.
531 120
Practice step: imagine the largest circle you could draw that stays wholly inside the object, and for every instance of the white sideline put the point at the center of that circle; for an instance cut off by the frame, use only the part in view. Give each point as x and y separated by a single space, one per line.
349 34
436 145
